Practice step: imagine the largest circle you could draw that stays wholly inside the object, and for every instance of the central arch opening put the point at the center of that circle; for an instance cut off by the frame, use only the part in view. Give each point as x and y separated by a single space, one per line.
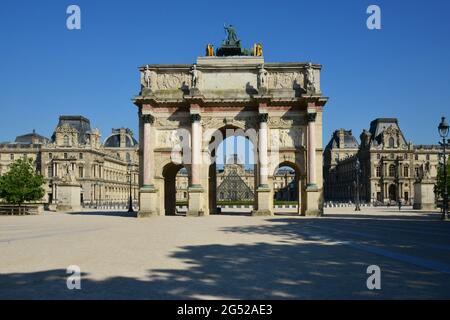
232 173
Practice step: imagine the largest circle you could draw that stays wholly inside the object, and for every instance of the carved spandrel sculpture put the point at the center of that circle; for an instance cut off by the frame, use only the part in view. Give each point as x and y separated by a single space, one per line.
310 79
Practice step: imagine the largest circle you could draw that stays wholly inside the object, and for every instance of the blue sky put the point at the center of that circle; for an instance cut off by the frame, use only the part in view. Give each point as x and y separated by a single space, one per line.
402 70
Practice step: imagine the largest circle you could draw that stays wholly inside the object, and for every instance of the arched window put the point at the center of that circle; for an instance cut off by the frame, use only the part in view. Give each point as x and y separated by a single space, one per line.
66 140
392 170
391 142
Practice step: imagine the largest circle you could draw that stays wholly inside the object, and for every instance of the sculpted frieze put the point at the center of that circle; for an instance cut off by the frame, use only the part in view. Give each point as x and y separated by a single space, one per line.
285 80
287 138
168 81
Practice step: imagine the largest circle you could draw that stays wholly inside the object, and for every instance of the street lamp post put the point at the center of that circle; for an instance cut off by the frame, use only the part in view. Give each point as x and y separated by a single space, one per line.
358 170
130 199
443 132
96 194
382 179
397 183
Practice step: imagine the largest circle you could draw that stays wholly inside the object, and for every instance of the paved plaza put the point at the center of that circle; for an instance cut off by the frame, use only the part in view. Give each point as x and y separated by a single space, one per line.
228 256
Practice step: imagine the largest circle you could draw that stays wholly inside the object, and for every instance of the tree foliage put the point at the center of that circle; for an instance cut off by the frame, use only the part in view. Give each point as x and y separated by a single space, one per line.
439 187
21 183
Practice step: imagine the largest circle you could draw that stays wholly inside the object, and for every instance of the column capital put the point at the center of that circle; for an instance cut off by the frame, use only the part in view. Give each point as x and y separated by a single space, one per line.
195 117
148 118
311 117
263 117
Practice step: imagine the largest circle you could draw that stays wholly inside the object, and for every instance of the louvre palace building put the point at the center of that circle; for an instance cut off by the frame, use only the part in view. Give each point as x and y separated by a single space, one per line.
389 164
103 169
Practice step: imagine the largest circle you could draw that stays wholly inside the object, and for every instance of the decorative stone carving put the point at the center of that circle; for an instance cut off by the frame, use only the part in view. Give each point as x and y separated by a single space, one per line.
284 80
263 117
168 138
68 174
287 138
262 78
147 78
194 76
147 118
166 123
170 81
278 122
243 123
310 79
196 117
311 117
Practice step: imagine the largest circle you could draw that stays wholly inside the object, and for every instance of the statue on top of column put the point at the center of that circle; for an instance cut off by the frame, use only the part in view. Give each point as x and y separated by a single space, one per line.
147 79
262 77
310 79
194 76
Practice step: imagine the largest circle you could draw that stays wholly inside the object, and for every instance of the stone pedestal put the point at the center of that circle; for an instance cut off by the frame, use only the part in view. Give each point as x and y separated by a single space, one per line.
195 208
69 197
424 197
148 202
265 206
313 208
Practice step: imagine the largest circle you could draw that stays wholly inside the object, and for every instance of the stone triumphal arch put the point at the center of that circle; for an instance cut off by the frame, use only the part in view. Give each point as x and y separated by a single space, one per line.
184 111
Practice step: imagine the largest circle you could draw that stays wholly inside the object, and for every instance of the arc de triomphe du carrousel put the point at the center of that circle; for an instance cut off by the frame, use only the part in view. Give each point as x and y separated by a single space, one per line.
187 110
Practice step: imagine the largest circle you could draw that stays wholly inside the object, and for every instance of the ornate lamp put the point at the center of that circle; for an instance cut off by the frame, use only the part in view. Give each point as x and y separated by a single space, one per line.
443 132
443 128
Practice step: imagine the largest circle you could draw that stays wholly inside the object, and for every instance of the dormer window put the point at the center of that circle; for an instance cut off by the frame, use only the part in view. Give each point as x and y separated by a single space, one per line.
66 141
391 142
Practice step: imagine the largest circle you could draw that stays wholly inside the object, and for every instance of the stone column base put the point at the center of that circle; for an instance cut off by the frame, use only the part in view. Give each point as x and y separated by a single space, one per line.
195 208
312 202
265 207
424 197
69 198
148 202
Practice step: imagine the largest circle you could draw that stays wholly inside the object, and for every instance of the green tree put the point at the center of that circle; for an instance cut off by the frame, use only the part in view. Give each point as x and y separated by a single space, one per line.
439 187
21 183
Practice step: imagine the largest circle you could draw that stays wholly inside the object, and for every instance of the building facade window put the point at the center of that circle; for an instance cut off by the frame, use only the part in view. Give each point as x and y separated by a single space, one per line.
392 170
378 172
406 172
81 156
65 156
66 141
81 172
11 157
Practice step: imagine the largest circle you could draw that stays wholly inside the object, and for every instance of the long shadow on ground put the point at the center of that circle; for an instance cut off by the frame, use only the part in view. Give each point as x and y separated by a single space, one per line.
296 267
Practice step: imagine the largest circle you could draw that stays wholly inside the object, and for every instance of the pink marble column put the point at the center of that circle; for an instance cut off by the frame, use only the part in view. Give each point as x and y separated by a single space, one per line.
147 150
311 117
262 148
196 145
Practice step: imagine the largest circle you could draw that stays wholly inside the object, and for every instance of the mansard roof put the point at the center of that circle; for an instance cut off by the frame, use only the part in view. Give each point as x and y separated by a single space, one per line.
31 138
349 141
78 122
380 125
